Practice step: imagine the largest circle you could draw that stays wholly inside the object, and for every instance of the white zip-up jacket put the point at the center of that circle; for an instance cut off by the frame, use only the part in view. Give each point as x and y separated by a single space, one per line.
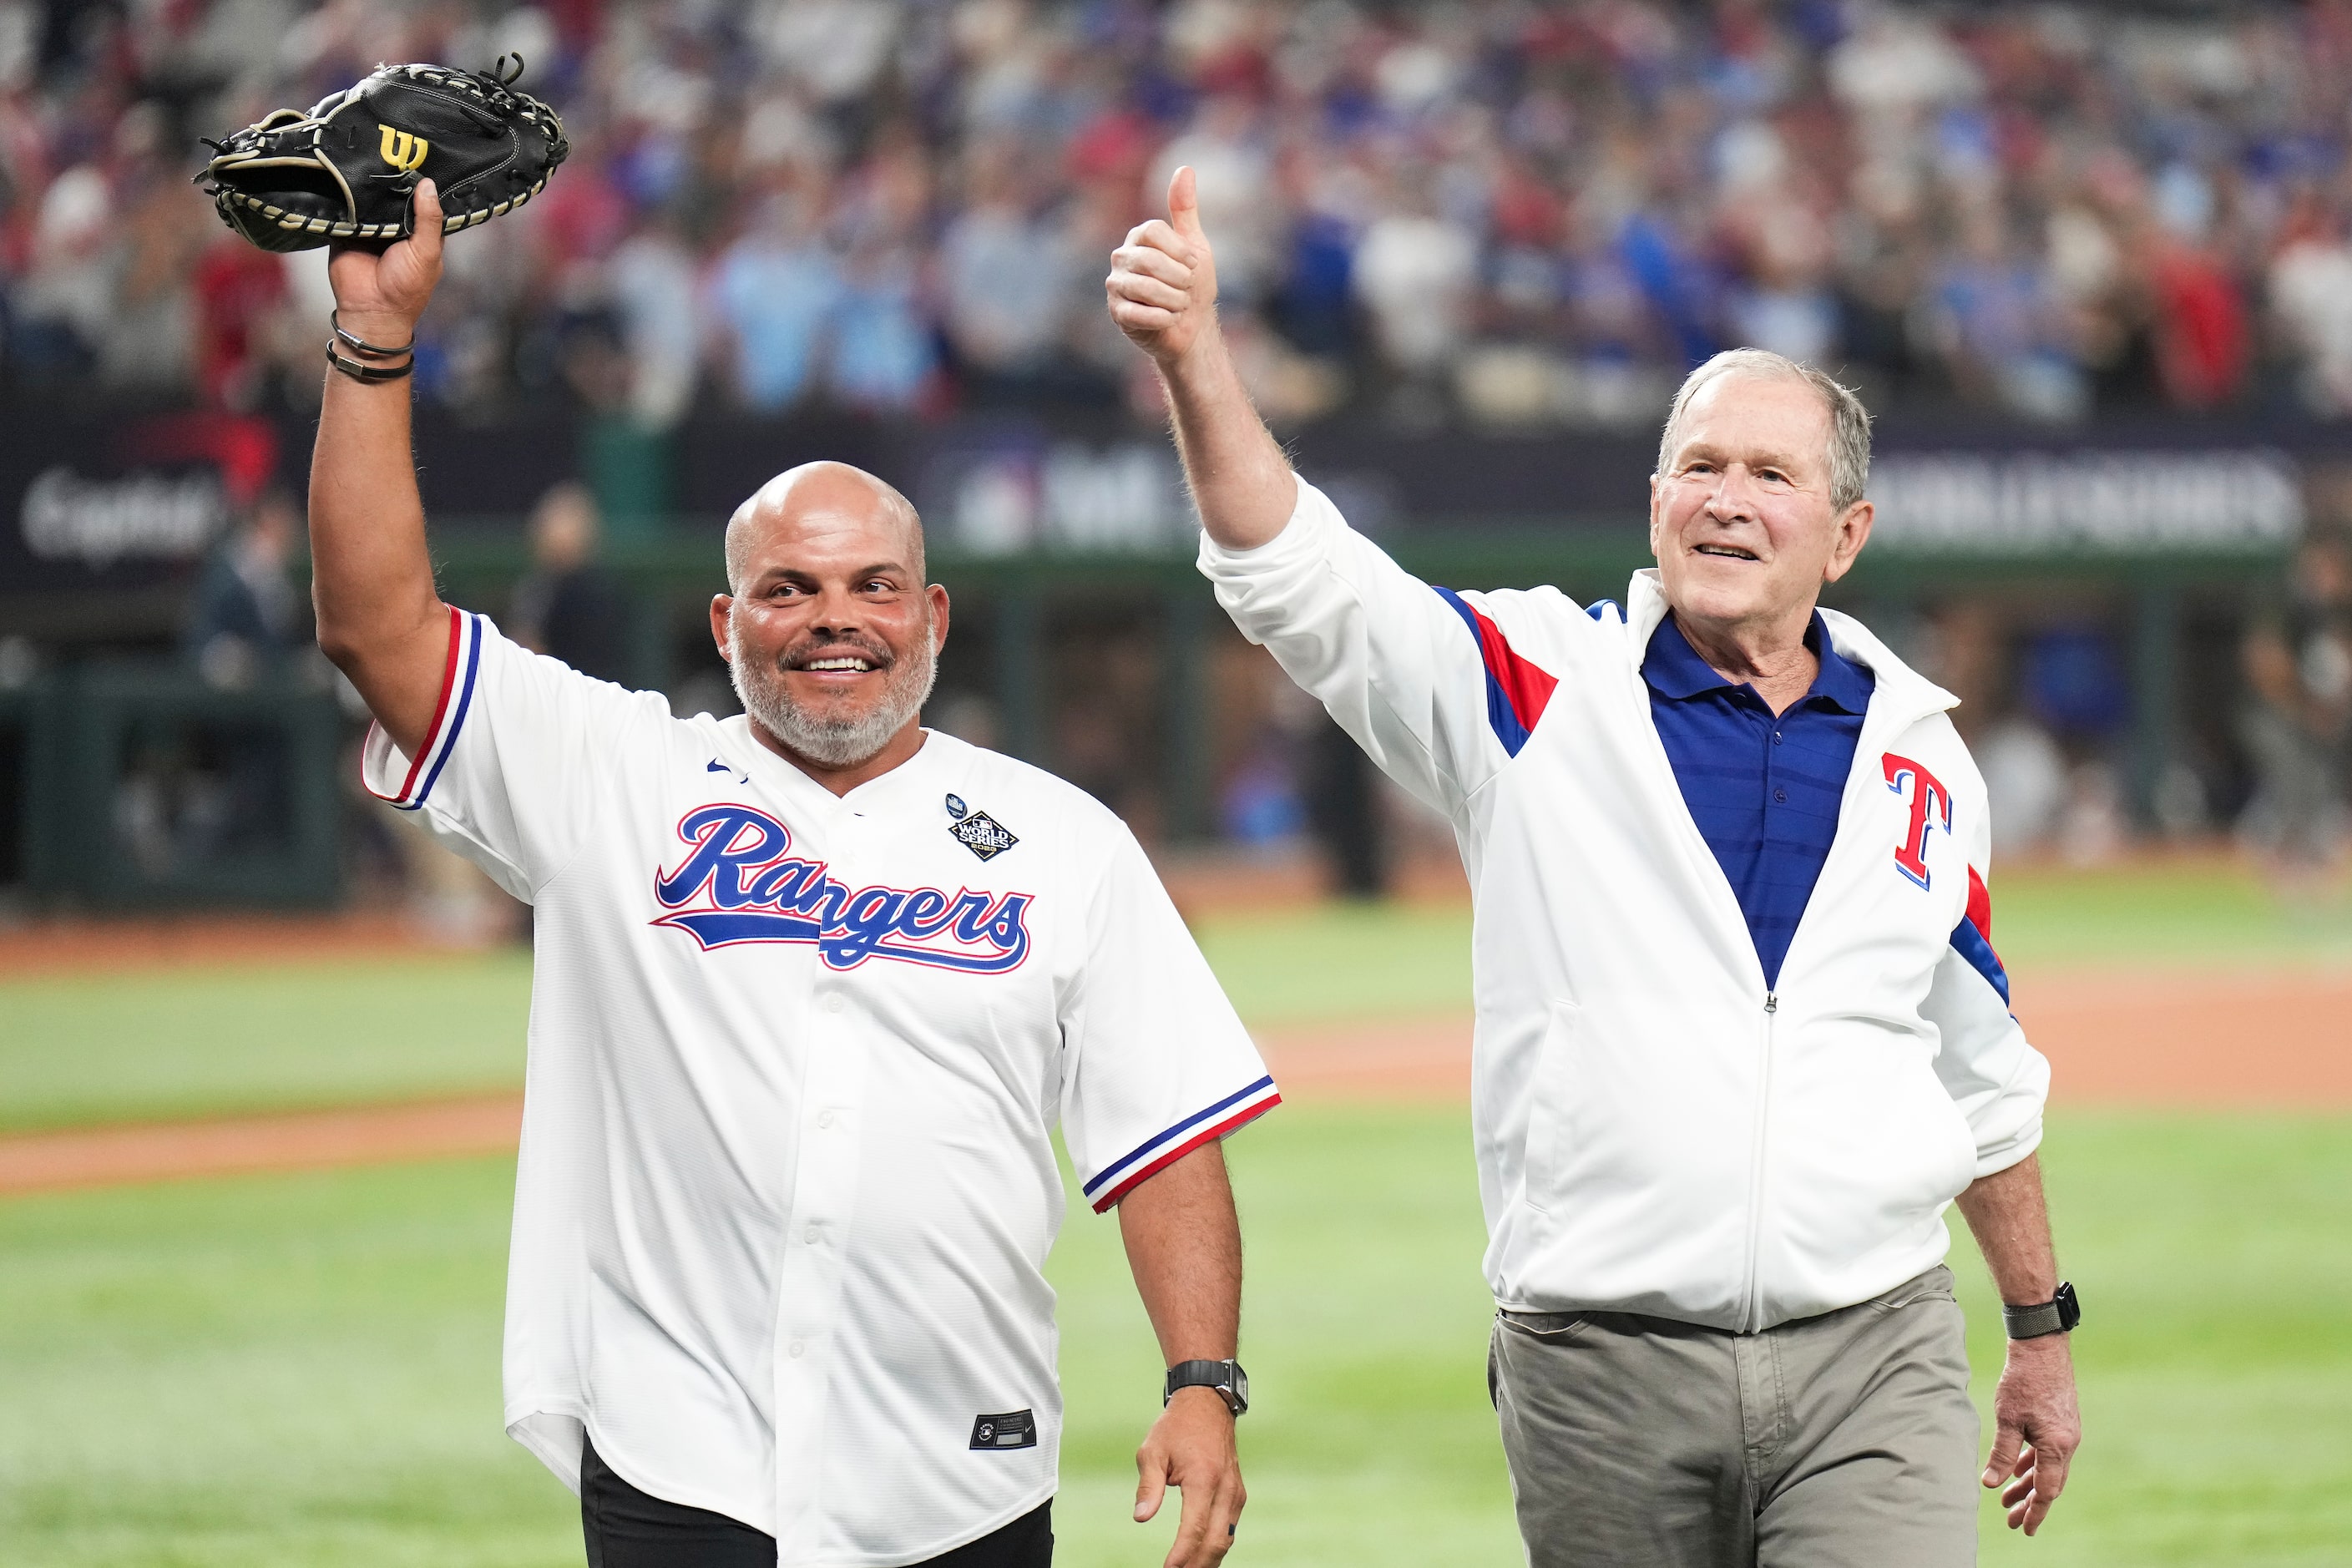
1657 1130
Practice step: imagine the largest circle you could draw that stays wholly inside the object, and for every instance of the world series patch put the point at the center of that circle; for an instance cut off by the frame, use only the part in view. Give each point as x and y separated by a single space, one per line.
983 834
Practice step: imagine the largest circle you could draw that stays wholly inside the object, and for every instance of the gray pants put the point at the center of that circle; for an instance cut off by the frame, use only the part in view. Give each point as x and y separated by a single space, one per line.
1841 1441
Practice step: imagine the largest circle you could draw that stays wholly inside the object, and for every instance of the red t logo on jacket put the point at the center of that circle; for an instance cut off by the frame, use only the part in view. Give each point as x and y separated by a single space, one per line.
1931 806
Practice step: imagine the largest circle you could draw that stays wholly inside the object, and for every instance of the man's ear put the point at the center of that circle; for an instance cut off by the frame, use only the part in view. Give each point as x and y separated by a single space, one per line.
1852 533
720 605
1653 517
939 598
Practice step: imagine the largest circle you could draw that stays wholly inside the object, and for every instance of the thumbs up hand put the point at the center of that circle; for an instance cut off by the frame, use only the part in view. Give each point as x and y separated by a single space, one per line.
1162 286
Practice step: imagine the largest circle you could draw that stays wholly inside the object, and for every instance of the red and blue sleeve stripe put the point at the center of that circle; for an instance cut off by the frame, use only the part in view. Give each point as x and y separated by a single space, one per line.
1972 938
1517 691
1156 1154
457 673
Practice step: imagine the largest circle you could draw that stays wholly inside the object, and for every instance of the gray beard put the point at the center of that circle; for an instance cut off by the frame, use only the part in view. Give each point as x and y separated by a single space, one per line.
833 742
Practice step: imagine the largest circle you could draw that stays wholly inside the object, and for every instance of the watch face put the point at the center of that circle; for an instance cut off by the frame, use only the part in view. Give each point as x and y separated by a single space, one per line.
1240 1389
2070 1311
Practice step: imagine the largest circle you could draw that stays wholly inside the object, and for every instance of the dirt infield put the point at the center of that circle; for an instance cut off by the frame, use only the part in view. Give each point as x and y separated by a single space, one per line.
2276 1037
319 1139
70 946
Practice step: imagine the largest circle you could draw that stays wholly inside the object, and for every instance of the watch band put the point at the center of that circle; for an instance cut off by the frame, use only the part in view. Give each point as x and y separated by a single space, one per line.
2056 1316
1226 1377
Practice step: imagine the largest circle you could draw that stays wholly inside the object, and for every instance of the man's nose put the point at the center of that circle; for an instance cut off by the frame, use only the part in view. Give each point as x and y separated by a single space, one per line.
836 610
1733 499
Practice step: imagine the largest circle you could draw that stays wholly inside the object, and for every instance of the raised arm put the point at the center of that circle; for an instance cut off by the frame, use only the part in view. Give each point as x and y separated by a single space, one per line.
1162 289
370 579
1184 1245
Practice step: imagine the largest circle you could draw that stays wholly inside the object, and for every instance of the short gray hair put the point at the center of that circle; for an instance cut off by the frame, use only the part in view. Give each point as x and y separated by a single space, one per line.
1849 420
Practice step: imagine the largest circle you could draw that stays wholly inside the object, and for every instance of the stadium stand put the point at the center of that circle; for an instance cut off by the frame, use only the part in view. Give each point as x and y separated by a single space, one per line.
1510 213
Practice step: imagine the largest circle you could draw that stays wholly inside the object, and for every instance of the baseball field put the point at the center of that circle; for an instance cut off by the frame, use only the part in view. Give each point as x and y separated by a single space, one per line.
253 1200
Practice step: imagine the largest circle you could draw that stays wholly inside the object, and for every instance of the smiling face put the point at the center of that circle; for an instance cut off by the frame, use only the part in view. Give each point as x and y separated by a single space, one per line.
830 634
1740 513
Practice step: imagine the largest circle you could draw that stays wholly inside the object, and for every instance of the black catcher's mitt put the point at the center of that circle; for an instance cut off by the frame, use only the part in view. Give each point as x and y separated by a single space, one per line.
345 172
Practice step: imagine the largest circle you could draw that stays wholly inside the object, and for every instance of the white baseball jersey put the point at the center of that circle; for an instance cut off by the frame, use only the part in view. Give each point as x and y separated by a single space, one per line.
1658 1129
787 1181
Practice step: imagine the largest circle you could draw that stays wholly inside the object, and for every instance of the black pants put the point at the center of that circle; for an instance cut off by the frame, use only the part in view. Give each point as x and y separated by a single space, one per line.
627 1528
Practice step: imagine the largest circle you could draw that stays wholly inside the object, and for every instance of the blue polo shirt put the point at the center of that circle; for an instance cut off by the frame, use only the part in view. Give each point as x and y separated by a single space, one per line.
1763 790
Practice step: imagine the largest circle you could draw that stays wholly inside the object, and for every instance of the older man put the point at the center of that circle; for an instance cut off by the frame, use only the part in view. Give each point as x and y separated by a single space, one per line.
1741 1034
813 986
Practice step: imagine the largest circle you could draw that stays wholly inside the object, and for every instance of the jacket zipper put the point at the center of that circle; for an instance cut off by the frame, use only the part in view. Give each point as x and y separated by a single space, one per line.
1874 735
1750 1306
1880 723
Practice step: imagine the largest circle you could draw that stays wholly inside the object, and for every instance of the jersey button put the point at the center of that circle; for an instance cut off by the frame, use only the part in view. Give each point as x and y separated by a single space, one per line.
794 1349
832 1003
812 1234
824 1119
1780 794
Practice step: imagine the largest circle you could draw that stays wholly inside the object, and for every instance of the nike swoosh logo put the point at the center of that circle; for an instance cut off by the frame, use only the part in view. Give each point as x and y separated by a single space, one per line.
716 767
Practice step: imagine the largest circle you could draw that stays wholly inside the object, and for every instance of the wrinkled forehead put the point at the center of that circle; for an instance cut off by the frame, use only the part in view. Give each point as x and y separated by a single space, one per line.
1747 414
820 517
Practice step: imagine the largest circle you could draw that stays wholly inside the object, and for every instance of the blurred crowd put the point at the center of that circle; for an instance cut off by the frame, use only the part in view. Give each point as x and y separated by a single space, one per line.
1516 213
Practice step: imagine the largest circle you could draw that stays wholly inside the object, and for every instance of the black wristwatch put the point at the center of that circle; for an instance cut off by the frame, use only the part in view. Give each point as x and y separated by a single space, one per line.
1226 1377
2056 1316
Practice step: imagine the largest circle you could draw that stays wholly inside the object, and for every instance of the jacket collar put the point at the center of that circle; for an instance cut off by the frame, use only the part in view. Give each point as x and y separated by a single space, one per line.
1674 668
1899 690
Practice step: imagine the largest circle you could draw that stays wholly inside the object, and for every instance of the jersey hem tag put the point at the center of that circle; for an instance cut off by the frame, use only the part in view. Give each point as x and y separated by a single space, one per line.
1013 1429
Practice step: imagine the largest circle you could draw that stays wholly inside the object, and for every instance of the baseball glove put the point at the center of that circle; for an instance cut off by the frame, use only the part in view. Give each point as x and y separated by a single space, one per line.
345 172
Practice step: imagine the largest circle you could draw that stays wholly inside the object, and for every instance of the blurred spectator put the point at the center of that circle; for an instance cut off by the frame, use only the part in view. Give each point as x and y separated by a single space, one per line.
653 283
1414 271
2044 209
190 794
2298 671
237 289
1343 806
246 612
774 291
2025 785
570 607
1006 277
2311 289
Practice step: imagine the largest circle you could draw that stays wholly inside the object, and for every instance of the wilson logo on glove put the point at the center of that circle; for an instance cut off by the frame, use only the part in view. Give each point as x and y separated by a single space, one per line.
404 150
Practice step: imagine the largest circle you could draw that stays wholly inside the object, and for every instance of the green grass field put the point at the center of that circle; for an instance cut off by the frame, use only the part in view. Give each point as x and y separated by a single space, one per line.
303 1370
191 1042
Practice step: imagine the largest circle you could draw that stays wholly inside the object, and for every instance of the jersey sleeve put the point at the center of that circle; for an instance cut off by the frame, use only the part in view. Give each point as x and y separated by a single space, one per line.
1993 1074
1424 678
520 746
1155 1062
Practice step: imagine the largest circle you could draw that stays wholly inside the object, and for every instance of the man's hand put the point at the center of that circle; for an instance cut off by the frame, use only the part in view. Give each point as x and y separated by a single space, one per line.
1163 281
380 297
1192 1447
1162 289
2037 1427
2036 1424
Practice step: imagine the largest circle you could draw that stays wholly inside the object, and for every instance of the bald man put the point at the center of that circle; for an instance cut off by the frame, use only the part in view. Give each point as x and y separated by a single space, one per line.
813 986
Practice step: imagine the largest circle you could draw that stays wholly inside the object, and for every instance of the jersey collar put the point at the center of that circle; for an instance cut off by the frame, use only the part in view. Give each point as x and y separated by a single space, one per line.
913 774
